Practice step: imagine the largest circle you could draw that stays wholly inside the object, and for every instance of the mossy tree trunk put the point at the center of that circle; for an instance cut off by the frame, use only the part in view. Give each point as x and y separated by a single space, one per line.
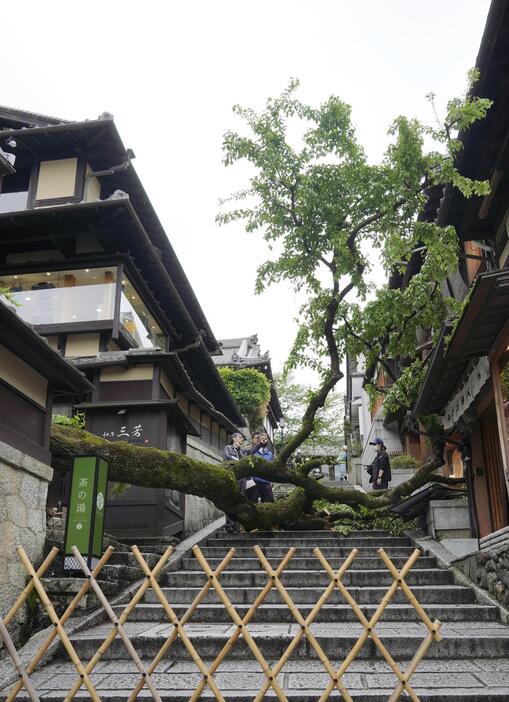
150 467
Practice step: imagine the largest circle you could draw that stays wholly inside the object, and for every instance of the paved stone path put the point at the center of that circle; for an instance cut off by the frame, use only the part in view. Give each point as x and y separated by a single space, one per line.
470 664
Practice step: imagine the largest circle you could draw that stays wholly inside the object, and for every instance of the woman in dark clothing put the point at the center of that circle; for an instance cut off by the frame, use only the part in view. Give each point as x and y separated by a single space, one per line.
380 469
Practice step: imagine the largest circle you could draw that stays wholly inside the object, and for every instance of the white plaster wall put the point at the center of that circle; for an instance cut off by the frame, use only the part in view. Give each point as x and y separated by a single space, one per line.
57 178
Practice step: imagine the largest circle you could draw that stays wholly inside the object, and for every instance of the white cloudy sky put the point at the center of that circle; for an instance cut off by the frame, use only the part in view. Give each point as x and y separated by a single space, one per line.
171 70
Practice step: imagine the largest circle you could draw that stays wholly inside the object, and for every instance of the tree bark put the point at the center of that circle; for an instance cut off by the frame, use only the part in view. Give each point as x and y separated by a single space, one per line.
151 467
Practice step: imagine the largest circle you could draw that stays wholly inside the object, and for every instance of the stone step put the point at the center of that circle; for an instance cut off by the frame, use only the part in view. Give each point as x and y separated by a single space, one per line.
344 542
240 563
70 586
127 558
425 594
310 578
149 545
309 535
460 640
278 552
120 573
279 613
55 537
157 549
453 680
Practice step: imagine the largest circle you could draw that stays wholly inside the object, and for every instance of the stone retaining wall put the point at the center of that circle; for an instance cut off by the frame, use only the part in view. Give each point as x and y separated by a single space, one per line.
23 489
490 570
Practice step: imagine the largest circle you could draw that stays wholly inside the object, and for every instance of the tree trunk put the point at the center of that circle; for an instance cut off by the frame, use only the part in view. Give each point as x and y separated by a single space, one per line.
151 467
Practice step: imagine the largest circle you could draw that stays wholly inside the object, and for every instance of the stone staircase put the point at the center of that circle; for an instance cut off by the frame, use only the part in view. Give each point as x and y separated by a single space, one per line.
470 664
121 569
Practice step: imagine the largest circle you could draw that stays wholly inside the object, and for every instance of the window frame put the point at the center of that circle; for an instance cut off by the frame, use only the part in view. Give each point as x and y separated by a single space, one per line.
123 266
79 184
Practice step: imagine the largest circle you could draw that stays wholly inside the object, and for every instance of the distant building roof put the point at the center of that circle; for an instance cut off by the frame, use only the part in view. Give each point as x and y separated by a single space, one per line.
245 352
242 351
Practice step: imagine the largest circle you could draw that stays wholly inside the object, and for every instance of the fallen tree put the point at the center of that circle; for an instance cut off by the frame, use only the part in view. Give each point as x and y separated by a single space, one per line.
150 467
325 211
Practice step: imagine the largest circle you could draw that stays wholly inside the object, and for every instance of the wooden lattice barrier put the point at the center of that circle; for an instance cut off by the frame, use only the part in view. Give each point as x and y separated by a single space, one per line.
84 670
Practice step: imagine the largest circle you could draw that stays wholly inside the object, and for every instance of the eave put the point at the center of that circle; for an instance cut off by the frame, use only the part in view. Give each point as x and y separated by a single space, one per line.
19 338
485 154
119 229
176 371
474 336
99 141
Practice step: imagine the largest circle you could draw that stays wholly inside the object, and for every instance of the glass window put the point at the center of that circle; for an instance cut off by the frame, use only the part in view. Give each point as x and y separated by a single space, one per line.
64 297
137 321
14 190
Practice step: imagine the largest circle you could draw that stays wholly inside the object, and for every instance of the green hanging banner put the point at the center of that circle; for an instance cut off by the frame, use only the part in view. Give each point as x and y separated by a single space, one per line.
85 513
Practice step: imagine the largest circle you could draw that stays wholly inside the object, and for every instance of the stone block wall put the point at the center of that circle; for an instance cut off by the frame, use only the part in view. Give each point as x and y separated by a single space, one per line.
23 489
490 570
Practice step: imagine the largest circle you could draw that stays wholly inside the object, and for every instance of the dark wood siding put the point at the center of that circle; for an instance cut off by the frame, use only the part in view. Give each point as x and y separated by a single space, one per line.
494 473
125 390
23 424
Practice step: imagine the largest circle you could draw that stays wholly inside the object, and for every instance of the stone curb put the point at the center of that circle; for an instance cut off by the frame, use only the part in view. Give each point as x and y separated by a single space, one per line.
74 625
445 559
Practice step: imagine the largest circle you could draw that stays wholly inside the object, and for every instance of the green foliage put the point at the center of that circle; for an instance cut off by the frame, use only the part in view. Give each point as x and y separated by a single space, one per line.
250 389
404 462
363 518
333 507
328 424
6 293
404 392
117 490
457 310
327 214
504 382
77 420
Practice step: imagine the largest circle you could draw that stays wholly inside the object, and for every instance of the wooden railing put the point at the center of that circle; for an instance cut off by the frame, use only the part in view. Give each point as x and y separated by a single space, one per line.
84 670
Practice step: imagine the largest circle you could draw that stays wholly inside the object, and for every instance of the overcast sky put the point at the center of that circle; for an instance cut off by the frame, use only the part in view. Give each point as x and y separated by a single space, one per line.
170 71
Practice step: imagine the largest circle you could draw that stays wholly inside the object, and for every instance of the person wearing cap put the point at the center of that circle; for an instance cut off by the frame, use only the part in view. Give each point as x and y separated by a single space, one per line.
380 469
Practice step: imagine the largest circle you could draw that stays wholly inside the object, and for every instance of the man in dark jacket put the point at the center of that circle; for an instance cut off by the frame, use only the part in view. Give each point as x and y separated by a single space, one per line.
263 489
264 486
380 469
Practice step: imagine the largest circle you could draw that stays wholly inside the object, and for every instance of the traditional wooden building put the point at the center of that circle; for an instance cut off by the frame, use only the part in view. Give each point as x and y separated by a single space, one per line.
467 381
89 264
32 378
245 352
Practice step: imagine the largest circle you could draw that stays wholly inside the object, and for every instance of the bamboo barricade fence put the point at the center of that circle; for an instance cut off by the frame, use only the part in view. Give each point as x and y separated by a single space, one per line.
212 581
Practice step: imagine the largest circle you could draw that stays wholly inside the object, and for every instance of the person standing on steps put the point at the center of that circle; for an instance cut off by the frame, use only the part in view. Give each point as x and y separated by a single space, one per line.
232 452
263 487
342 464
255 444
380 469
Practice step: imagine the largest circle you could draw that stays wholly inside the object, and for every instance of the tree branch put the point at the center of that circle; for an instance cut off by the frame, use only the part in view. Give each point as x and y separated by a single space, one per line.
150 467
